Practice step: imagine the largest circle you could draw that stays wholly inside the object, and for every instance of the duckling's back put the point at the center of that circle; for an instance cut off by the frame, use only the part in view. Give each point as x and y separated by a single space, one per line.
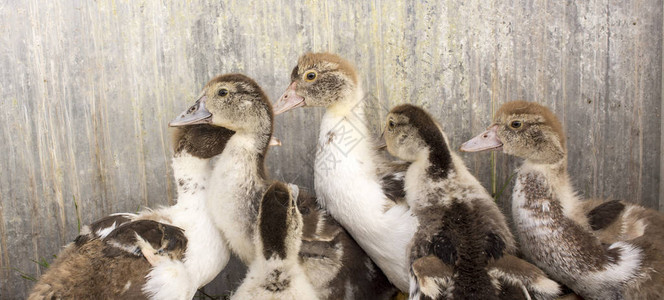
474 247
275 272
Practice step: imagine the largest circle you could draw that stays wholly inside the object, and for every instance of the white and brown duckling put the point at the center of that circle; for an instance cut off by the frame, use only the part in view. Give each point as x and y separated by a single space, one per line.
353 180
459 222
621 259
275 272
333 262
166 253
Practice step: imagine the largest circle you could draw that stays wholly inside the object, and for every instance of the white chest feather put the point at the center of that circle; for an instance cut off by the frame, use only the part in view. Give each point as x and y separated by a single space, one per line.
206 254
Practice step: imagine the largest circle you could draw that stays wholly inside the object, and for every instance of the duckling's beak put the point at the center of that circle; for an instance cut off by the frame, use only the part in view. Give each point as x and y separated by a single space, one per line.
487 140
196 114
274 141
289 100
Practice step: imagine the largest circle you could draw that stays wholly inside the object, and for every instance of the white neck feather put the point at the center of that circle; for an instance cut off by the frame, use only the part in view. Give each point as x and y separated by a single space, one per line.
235 191
191 177
206 253
351 104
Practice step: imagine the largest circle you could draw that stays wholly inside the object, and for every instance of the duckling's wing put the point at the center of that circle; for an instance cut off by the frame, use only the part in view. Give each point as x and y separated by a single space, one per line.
102 227
515 274
392 175
146 238
615 221
643 228
605 214
430 278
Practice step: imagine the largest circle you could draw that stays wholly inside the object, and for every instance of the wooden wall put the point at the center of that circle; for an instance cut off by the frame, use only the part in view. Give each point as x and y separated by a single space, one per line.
87 88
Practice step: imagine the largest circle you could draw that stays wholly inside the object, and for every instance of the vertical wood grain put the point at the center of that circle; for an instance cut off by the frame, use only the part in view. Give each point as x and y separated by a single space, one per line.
88 88
661 120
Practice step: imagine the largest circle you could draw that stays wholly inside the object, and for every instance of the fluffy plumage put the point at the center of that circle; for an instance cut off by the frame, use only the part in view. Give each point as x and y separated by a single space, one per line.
607 251
459 223
352 178
513 277
275 272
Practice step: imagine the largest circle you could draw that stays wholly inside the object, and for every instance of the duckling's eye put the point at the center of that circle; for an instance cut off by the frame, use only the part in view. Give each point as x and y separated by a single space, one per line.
390 124
222 92
516 124
310 76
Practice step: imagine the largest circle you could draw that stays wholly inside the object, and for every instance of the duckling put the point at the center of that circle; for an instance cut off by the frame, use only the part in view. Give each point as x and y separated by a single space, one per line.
276 273
556 229
458 220
166 253
236 102
353 181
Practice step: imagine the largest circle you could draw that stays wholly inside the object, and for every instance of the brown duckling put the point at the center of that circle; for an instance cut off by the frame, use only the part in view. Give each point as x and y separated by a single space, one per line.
612 251
459 222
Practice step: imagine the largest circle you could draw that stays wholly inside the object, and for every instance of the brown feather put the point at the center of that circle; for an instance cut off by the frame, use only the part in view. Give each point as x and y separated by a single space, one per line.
525 107
85 273
312 60
204 141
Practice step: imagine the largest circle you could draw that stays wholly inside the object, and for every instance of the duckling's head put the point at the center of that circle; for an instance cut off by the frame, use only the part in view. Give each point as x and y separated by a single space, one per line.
524 129
280 222
233 101
411 134
202 140
319 79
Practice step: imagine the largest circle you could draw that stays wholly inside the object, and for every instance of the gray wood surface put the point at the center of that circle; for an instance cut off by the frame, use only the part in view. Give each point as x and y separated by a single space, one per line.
87 88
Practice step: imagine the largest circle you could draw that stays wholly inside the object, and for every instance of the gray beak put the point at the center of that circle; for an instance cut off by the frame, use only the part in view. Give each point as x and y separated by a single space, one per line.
196 114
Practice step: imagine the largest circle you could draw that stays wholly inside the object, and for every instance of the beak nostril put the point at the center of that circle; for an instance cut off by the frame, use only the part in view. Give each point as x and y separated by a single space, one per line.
485 136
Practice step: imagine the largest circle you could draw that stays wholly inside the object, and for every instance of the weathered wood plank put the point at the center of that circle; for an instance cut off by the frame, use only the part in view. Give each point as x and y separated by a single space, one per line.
661 152
88 88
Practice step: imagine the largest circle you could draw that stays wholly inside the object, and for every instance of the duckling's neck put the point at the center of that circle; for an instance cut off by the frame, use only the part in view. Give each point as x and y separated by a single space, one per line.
452 181
556 180
191 213
191 177
348 104
238 182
